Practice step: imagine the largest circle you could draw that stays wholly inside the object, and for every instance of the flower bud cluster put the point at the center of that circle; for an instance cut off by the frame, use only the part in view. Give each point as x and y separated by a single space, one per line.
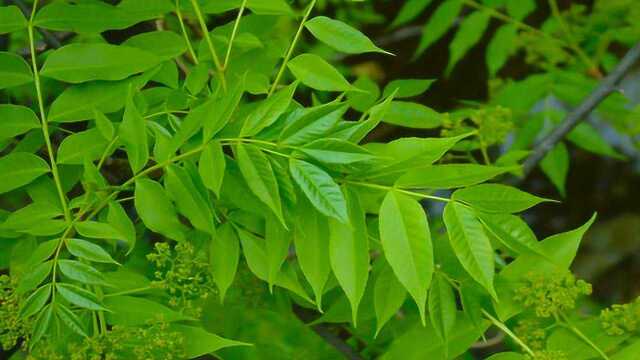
549 355
621 319
551 295
12 327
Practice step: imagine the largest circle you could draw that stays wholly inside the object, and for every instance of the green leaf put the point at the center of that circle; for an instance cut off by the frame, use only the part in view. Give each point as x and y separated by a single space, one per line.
336 151
501 46
268 111
410 10
405 88
224 254
258 173
519 9
256 256
449 176
35 301
320 189
97 230
412 115
34 277
188 199
11 19
83 273
389 295
277 240
156 211
199 342
197 78
193 122
20 168
497 198
316 73
349 252
75 148
70 319
341 36
136 311
211 166
511 231
133 133
78 102
14 70
314 124
225 107
92 17
442 307
470 32
118 218
311 239
439 23
589 139
104 125
89 251
164 44
470 244
79 296
365 99
16 120
406 241
41 325
78 63
556 166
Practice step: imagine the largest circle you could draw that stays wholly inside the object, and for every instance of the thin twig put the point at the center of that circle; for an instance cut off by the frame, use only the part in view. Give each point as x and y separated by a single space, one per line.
607 86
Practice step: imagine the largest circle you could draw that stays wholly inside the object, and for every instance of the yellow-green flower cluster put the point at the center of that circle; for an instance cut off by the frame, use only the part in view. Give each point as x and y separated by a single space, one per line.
551 295
620 319
532 333
183 273
12 328
492 123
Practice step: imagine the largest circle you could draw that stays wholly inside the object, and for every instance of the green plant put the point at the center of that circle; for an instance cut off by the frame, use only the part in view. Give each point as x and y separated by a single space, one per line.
195 172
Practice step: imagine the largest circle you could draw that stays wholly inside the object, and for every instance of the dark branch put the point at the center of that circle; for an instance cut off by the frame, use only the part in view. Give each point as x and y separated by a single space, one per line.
48 37
607 86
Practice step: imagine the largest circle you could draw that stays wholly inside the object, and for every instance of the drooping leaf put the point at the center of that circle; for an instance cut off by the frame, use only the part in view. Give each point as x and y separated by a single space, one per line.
14 70
389 295
78 63
81 272
588 138
211 167
258 173
156 211
320 189
311 239
119 220
136 311
501 46
35 301
224 254
133 133
556 166
410 10
70 319
89 251
199 342
75 148
277 240
349 252
78 102
316 73
97 230
313 124
442 307
470 244
512 231
439 23
188 199
341 36
406 241
336 151
79 296
164 44
470 32
20 168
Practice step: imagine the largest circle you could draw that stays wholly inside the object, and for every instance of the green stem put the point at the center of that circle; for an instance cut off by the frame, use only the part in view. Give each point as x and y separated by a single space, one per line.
207 38
106 152
233 35
391 188
184 33
567 324
287 57
500 325
43 118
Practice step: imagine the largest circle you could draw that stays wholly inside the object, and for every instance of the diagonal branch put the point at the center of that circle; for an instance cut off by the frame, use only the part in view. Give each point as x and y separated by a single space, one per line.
607 86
